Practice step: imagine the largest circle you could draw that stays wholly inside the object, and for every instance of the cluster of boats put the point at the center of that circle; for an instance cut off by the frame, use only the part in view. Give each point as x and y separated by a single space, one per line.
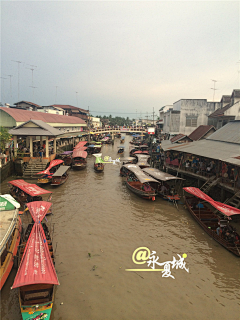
32 253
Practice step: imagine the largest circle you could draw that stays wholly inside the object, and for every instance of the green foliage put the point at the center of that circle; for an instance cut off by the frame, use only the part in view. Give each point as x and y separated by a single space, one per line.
5 137
116 121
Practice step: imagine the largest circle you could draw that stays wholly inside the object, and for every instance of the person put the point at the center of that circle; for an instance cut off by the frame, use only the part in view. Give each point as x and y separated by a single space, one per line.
218 230
163 189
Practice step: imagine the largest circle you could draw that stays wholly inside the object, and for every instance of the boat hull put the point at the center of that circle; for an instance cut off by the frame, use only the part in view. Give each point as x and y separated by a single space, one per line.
148 195
211 230
32 313
6 267
79 167
58 181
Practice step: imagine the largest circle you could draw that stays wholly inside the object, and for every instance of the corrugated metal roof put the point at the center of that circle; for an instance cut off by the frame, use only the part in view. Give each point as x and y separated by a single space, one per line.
218 150
228 133
27 102
178 137
24 115
200 132
219 112
43 130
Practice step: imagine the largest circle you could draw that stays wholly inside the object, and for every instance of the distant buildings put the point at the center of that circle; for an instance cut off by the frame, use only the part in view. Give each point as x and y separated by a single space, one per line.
185 115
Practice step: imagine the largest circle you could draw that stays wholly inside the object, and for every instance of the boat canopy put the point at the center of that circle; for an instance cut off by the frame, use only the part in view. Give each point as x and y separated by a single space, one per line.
137 171
121 147
7 202
60 171
123 138
77 153
138 152
80 144
160 175
222 207
31 189
9 220
36 265
127 159
143 146
38 209
52 164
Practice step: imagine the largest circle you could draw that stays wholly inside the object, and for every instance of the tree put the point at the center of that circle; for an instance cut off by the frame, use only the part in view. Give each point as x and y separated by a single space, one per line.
5 137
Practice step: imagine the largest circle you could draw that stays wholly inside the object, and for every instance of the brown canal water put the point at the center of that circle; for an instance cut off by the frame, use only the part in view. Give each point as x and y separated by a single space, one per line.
99 223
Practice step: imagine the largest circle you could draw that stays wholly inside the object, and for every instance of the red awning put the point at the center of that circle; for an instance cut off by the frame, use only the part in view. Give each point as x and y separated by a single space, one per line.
36 264
79 153
224 208
137 152
31 189
80 144
38 209
53 163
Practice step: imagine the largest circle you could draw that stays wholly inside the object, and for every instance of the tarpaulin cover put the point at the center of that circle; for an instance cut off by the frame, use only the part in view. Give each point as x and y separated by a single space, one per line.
79 153
7 202
53 163
31 189
38 209
80 144
36 265
224 208
66 152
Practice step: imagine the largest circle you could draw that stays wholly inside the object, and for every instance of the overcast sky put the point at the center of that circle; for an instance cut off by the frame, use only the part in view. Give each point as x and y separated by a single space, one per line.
121 57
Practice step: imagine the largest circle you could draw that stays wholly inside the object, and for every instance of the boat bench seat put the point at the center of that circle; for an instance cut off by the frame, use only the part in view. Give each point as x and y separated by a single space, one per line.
36 295
209 219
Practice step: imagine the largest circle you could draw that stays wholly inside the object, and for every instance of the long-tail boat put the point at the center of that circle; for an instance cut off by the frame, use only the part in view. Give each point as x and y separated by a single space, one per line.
36 277
80 144
47 173
122 139
99 162
79 161
120 150
139 183
60 176
25 192
10 235
166 188
142 160
210 221
66 156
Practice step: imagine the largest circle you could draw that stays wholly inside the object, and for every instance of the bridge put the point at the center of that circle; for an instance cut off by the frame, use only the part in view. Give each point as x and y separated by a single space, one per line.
118 130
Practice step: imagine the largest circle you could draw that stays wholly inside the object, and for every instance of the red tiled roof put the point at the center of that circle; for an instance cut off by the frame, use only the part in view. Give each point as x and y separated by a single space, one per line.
27 102
177 137
219 112
198 133
24 115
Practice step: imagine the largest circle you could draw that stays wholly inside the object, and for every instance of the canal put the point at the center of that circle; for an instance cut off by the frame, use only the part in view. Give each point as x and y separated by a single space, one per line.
98 226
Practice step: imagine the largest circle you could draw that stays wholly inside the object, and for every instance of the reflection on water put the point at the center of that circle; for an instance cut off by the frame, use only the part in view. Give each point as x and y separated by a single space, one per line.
95 213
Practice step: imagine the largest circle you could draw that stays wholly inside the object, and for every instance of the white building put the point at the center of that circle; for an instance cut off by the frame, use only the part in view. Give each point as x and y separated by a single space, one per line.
96 122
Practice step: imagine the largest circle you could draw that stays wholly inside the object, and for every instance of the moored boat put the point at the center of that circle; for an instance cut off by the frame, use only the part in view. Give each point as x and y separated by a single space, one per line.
120 150
139 183
60 176
99 162
142 160
10 235
219 229
36 277
66 156
47 173
167 186
79 161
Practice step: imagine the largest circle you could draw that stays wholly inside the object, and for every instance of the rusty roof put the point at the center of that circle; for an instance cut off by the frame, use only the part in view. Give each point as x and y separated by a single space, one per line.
69 107
200 132
27 102
25 115
177 137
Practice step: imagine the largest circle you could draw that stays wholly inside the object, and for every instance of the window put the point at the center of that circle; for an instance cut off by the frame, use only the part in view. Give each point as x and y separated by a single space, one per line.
191 121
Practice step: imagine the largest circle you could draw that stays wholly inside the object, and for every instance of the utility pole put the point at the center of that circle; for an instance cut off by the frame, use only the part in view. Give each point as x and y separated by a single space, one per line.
153 115
88 125
33 90
77 97
3 90
214 82
32 78
238 74
56 95
10 77
18 75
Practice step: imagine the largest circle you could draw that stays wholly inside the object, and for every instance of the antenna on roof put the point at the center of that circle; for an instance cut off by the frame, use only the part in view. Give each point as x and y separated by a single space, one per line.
32 77
214 82
18 75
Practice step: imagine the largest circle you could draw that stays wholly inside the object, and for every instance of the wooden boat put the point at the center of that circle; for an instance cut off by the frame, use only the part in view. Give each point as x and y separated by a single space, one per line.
120 150
142 160
60 176
92 148
47 173
79 161
10 235
132 150
122 139
139 183
166 188
211 223
99 162
128 160
25 192
66 156
36 277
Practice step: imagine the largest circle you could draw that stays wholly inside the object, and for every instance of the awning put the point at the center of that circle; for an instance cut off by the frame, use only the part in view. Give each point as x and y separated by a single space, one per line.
52 164
80 144
79 153
160 175
224 208
60 171
38 209
36 264
31 189
136 170
7 202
